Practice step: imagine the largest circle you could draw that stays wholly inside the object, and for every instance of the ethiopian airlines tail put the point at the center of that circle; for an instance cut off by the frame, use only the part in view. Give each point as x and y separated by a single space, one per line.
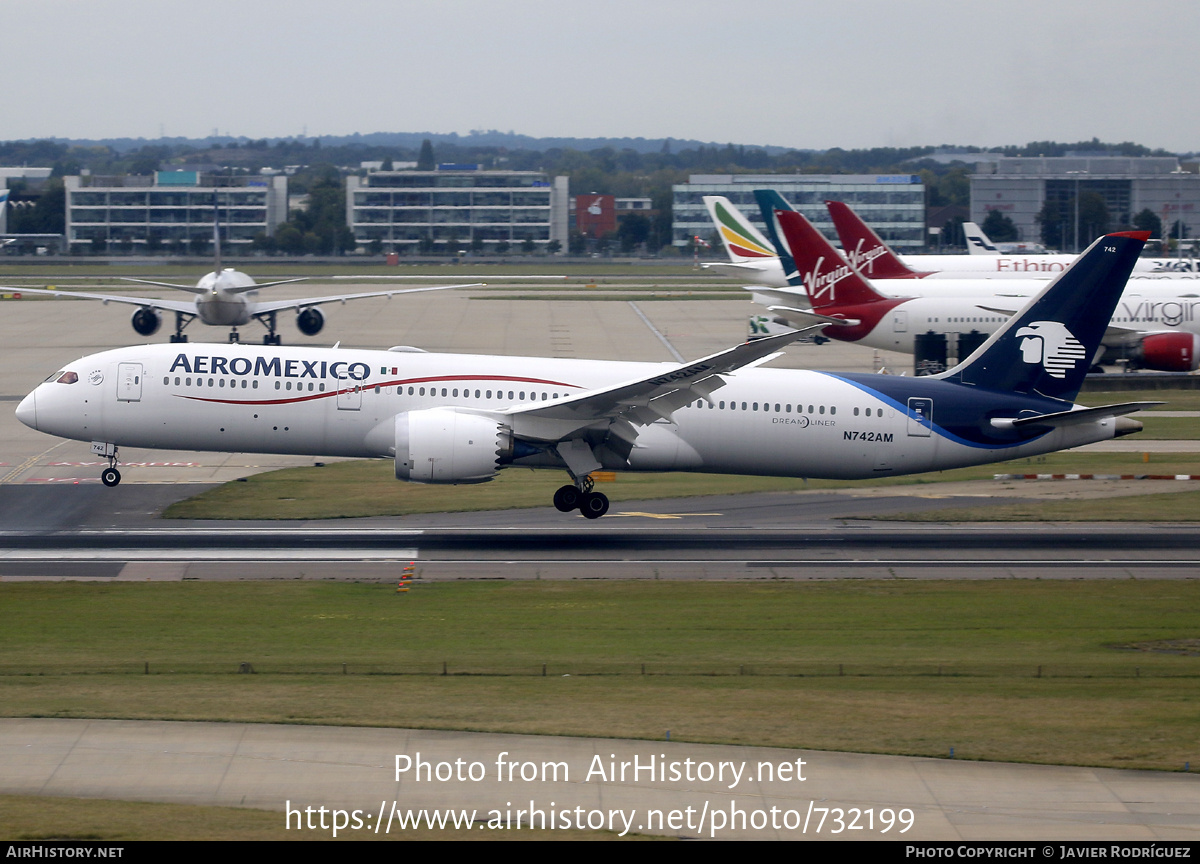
744 243
978 242
865 251
1048 347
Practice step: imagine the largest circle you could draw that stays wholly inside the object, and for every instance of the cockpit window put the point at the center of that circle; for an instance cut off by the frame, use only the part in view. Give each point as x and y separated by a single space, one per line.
67 378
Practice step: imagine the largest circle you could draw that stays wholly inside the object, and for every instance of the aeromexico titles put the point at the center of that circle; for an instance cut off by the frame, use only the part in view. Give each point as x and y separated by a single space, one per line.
1154 326
459 418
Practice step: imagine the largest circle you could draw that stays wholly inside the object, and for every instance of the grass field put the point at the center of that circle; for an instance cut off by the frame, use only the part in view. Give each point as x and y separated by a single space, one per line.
31 817
369 488
1161 507
1177 400
1168 428
1060 672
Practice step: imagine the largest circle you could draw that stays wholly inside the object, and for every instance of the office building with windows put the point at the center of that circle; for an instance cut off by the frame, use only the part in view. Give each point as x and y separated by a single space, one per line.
892 204
414 212
170 212
1020 187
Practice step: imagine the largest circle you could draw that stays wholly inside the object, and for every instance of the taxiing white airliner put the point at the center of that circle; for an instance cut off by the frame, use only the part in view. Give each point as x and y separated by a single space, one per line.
222 298
452 418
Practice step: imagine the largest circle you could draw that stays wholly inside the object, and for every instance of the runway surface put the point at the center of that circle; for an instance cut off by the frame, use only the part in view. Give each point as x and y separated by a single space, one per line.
92 532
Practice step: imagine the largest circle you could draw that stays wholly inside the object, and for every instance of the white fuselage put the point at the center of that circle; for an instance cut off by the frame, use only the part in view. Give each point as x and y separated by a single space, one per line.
1146 306
242 398
1017 266
977 273
218 305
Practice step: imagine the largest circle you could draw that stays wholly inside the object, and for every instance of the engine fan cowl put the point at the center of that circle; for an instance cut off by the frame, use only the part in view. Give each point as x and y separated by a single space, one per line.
444 445
1171 352
310 321
146 321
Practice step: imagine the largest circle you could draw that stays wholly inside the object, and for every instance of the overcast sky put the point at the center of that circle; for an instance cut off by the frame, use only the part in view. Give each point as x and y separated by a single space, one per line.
793 74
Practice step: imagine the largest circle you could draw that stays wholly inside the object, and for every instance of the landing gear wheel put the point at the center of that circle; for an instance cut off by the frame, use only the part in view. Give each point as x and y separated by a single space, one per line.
593 505
566 498
271 339
110 477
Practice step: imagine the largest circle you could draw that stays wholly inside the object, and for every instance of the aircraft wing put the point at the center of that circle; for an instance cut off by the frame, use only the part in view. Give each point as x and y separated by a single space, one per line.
276 305
185 306
619 409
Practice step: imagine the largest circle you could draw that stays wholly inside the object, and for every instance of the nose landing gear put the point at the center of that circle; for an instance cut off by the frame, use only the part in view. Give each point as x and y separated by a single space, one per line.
110 476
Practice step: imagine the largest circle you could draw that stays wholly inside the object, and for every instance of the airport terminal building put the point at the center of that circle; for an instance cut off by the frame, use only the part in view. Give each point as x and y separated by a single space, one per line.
1019 187
457 205
892 204
170 211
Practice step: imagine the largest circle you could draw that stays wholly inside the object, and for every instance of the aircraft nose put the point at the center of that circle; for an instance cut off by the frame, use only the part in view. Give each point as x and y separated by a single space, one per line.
27 410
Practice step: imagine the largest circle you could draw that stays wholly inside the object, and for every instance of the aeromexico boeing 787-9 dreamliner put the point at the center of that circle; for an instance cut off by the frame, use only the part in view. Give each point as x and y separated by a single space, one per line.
460 418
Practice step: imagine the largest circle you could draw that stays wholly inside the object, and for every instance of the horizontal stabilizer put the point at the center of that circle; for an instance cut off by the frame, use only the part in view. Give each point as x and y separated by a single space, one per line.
1073 418
809 315
191 289
242 289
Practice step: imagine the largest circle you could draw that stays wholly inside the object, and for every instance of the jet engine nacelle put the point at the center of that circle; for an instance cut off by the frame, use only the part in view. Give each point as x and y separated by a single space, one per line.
146 321
310 321
445 445
1171 352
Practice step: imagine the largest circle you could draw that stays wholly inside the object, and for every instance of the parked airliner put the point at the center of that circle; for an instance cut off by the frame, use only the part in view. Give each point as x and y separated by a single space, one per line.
754 258
1150 329
452 418
867 248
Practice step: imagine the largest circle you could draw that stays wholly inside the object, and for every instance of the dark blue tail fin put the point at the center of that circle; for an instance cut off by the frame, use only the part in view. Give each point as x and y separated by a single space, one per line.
1049 345
768 202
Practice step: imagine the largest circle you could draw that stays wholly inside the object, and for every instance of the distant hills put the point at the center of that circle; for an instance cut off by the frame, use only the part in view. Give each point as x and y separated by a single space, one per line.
412 140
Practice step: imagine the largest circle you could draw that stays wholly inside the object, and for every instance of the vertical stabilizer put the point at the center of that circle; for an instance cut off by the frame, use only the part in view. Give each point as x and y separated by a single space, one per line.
743 242
978 242
769 201
1048 346
216 238
865 250
829 281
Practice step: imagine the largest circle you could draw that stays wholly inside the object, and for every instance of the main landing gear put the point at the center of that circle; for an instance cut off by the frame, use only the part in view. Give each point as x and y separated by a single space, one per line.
110 476
579 496
182 319
267 319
